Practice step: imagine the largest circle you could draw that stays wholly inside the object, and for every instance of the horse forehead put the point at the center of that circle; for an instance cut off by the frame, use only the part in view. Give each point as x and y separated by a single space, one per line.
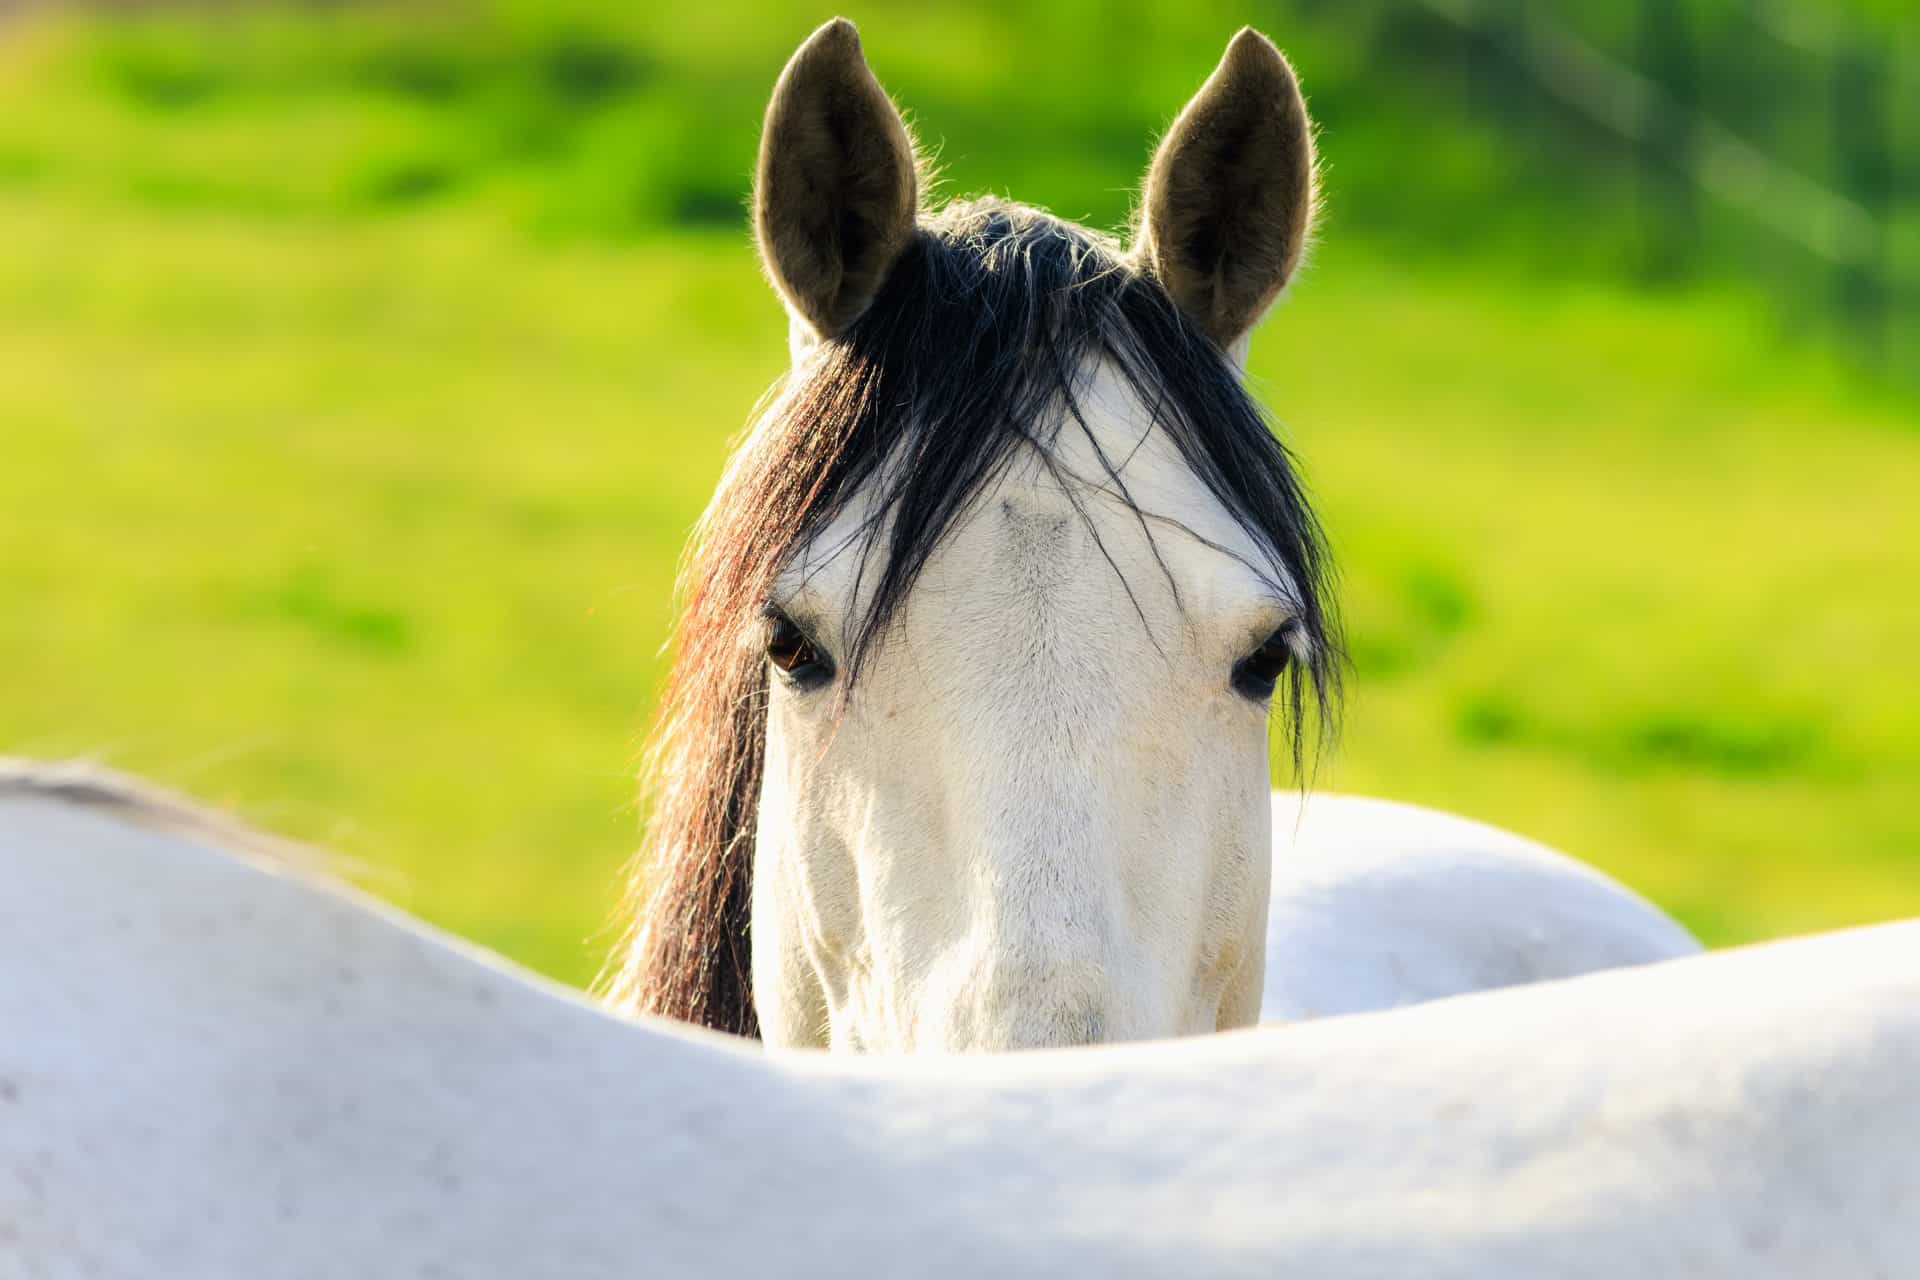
1118 499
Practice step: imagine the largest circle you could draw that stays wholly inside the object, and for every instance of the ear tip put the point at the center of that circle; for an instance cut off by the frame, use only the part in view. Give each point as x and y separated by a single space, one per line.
1251 48
831 55
836 34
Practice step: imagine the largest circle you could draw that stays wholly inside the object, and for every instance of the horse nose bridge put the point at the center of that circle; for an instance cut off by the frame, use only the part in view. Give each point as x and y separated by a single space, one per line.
1050 926
1045 865
1050 955
1048 843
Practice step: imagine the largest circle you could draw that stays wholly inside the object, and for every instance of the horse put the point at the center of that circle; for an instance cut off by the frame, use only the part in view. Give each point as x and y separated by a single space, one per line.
216 1062
965 744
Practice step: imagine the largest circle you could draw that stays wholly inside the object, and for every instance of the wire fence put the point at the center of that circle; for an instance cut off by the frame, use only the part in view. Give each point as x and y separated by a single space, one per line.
1727 105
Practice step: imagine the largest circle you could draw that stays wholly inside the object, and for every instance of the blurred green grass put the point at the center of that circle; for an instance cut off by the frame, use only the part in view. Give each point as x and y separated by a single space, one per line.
363 369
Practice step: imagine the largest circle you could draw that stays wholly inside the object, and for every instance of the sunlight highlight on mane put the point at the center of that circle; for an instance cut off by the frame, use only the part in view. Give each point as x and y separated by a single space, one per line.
973 351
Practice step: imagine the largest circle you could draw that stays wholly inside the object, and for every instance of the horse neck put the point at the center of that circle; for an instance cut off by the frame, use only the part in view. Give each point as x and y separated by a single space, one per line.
340 1046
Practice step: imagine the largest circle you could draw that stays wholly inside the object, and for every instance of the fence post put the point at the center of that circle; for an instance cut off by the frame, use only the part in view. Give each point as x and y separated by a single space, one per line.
1863 151
1496 86
1671 220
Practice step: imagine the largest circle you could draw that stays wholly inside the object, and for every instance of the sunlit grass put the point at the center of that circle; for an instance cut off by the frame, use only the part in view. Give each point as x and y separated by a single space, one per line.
345 458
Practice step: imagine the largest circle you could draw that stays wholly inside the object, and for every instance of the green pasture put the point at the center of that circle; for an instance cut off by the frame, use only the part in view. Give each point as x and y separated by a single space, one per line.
363 368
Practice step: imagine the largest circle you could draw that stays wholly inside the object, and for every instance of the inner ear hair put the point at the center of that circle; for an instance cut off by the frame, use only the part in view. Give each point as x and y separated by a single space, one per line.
1229 198
837 187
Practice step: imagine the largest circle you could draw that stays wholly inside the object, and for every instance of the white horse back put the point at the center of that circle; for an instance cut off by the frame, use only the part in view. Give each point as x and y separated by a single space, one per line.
1376 905
210 1067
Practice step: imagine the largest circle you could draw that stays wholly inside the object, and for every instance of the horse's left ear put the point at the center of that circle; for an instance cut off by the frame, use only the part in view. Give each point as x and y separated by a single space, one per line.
1230 196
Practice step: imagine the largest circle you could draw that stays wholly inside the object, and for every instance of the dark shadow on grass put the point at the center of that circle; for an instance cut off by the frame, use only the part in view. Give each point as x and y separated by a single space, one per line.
1757 744
310 600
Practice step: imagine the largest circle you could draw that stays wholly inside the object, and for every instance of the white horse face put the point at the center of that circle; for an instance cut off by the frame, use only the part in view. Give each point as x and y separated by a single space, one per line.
1010 783
1040 816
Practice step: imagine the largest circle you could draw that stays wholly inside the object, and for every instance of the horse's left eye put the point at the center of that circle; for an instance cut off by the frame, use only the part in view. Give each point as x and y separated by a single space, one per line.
1255 675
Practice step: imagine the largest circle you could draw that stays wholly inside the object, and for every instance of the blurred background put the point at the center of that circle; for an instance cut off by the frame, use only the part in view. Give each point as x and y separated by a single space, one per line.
364 365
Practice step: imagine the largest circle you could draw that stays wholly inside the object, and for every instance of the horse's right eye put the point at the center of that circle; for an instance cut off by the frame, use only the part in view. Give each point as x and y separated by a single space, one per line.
797 657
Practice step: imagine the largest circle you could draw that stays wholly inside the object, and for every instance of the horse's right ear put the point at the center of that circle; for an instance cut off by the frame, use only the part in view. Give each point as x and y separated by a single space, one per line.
837 189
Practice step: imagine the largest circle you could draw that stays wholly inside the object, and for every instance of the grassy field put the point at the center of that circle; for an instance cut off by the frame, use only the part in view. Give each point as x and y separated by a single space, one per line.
345 453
